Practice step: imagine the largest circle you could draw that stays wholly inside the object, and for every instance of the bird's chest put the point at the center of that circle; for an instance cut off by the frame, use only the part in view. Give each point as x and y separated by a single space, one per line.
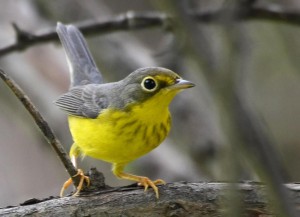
117 136
138 128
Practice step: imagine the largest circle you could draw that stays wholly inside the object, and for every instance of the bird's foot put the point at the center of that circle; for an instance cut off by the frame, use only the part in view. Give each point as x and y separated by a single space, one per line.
146 182
83 179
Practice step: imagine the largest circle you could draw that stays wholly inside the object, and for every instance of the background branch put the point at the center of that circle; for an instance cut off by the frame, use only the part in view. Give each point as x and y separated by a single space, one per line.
247 12
128 21
145 20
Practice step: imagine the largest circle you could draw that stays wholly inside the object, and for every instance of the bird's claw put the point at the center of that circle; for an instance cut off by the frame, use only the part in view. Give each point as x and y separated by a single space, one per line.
146 182
83 179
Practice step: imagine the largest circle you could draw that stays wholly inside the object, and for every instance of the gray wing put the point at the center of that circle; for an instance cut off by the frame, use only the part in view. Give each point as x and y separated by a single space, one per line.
84 101
82 67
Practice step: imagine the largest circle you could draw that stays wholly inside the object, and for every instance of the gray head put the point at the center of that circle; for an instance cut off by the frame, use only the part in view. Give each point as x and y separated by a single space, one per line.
145 83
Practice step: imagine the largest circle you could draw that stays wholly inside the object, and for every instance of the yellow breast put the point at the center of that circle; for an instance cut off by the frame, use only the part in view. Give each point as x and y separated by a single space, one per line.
118 136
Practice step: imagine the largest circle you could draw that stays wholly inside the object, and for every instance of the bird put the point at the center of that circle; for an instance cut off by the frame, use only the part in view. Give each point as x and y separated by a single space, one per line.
116 122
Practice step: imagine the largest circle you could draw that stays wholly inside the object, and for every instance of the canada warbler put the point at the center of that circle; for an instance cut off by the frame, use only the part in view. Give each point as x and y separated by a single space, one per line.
115 122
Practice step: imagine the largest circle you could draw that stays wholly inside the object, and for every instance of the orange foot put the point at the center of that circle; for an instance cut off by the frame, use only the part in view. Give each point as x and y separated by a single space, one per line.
146 182
79 187
141 180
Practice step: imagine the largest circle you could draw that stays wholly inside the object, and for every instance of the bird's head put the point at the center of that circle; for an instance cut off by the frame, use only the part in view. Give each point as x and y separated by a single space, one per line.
155 84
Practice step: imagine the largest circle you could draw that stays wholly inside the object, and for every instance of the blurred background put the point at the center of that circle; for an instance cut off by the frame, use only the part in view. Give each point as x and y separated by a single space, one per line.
199 147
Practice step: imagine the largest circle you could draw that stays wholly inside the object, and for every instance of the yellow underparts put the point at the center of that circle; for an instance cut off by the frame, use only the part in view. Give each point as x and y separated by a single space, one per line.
120 137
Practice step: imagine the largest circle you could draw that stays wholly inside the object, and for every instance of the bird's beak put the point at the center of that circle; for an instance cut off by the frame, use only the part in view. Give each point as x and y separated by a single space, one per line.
181 84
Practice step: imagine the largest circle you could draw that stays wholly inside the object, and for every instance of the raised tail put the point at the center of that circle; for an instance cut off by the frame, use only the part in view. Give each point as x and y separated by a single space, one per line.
83 69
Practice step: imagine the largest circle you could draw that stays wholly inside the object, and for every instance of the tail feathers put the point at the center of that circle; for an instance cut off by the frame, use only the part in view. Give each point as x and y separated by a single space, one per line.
82 66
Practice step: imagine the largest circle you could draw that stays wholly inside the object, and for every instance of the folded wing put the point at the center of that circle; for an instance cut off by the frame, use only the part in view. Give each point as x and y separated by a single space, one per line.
83 101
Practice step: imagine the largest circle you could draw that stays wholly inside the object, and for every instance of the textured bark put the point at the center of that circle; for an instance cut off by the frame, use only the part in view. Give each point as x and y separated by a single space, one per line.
176 199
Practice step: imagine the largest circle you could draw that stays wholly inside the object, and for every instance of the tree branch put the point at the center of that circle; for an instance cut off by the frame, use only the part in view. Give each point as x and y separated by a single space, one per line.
176 199
136 21
128 21
42 125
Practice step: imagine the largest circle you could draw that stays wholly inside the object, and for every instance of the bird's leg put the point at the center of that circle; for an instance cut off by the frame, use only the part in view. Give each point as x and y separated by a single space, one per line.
79 173
141 180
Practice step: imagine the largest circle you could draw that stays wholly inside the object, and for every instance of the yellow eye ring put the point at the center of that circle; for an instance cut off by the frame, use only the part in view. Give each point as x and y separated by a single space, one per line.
149 84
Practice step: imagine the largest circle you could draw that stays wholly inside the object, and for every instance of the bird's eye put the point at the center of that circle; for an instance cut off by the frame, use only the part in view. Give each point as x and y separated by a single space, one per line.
149 84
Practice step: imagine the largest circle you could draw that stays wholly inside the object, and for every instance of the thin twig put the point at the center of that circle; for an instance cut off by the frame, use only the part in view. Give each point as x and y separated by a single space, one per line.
136 21
248 12
42 125
128 21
